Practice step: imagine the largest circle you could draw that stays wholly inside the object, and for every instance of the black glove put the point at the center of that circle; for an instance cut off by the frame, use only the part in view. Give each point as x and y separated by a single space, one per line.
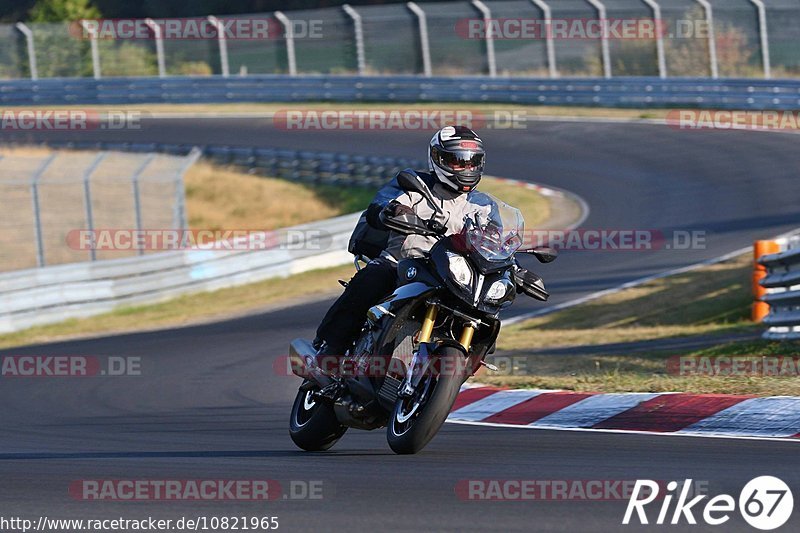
395 209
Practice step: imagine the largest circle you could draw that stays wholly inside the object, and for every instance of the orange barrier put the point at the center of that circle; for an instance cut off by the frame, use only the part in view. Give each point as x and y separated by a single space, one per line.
761 309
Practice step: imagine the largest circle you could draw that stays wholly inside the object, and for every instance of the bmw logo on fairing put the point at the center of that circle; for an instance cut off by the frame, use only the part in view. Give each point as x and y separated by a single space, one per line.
411 273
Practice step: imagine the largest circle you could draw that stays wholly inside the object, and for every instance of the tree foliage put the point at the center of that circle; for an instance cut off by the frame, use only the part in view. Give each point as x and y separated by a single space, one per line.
63 10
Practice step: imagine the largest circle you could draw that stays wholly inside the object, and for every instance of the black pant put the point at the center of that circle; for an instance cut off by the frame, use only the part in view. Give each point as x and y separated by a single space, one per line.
344 319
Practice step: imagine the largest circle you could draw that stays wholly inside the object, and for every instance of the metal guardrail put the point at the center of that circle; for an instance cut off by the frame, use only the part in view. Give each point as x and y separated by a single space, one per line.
622 92
323 168
52 294
783 296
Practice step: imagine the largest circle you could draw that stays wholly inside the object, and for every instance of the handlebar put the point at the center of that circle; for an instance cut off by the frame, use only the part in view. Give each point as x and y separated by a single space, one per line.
411 224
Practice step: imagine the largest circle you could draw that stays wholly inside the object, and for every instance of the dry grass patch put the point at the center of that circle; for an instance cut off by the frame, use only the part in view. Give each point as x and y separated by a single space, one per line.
709 301
535 207
254 108
226 197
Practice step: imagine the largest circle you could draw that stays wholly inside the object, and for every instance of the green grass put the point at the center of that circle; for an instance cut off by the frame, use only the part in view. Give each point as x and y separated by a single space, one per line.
710 301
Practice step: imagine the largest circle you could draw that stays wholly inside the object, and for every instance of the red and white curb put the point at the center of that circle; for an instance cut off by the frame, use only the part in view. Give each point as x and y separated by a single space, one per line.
707 415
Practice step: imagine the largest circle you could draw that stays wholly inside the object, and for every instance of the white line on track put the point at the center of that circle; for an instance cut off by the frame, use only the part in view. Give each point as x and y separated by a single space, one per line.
626 431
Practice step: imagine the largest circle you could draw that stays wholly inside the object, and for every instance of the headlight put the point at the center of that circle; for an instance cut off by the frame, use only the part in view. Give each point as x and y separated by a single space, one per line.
497 291
459 270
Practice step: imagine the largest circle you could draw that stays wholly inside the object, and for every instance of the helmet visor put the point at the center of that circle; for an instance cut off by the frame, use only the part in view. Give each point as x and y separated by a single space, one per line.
459 160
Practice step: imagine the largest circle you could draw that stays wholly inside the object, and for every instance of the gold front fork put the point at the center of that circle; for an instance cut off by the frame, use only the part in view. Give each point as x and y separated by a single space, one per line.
427 328
466 336
427 324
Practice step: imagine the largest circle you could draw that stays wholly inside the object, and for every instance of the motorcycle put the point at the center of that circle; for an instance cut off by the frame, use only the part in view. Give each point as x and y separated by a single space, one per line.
421 343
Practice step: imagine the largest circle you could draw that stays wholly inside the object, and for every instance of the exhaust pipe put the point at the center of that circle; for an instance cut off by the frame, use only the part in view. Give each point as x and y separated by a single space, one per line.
301 354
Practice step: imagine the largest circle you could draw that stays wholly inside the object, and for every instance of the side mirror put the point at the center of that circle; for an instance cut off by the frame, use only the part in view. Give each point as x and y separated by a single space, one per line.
544 254
410 181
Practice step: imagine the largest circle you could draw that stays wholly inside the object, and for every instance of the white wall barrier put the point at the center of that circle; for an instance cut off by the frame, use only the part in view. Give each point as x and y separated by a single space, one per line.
55 293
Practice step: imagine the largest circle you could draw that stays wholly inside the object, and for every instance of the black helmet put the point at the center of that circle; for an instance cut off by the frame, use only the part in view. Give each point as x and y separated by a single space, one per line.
456 158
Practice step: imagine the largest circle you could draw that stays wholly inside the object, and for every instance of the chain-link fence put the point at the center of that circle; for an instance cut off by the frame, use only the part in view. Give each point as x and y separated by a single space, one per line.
698 38
49 197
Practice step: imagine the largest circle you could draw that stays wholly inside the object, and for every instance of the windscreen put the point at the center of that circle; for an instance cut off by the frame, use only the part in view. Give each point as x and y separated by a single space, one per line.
494 228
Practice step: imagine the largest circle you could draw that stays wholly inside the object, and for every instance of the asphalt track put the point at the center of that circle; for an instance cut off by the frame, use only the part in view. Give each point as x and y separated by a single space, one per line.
210 405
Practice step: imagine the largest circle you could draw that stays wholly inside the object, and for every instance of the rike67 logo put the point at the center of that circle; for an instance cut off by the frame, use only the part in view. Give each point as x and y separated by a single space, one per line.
765 503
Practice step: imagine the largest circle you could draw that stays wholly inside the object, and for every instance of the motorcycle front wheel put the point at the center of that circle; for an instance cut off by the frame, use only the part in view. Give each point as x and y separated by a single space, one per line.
416 419
313 425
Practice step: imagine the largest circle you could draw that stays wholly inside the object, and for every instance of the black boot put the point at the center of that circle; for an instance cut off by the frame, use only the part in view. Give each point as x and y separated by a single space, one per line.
327 357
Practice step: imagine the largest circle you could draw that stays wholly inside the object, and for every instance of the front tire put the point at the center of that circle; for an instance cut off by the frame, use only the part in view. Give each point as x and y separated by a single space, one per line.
416 420
313 425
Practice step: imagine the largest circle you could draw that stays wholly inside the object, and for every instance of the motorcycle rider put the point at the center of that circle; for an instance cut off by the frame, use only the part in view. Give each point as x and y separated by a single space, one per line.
455 159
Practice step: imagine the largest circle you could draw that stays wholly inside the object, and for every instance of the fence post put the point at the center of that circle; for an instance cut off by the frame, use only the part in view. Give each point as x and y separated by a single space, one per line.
223 45
37 215
712 41
358 31
423 38
762 33
662 59
491 59
179 213
87 200
162 70
604 49
95 49
26 31
137 203
761 309
549 42
291 58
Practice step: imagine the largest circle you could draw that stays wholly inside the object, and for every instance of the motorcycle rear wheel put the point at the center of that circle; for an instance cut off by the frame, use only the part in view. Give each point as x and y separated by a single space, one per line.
313 425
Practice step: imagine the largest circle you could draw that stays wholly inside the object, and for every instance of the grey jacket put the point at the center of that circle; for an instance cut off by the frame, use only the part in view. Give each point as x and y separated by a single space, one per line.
455 207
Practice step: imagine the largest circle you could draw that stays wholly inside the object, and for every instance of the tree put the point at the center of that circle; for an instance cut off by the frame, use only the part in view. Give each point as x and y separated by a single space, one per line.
63 10
58 50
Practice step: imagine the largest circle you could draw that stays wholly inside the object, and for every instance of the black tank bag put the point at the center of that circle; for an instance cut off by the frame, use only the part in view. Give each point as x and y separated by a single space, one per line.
370 238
